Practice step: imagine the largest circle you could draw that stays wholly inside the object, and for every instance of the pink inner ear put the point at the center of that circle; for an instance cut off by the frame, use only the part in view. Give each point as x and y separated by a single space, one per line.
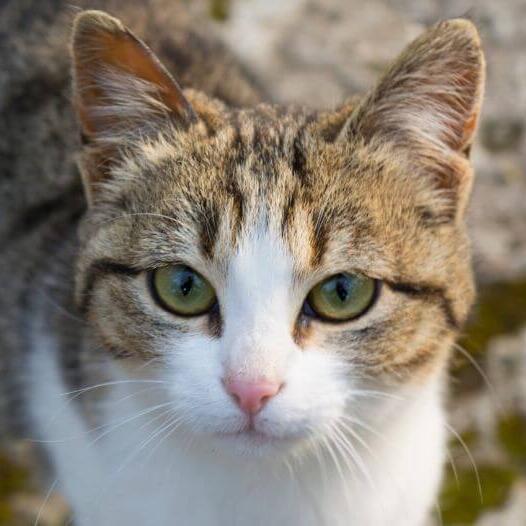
469 128
96 48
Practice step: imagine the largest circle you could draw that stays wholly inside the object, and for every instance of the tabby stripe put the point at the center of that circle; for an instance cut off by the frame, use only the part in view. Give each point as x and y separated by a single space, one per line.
238 203
418 360
429 293
98 269
320 236
209 228
299 161
288 213
215 322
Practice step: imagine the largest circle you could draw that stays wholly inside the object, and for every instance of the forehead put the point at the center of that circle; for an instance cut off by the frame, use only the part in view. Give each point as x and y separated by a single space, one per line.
326 201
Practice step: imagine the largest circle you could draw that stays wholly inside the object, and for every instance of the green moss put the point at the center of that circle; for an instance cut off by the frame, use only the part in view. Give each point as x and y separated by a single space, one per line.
219 9
500 309
12 479
460 503
469 437
511 432
6 516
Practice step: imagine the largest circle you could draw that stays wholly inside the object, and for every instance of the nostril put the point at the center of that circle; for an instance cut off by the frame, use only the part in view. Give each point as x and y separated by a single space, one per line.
251 396
236 398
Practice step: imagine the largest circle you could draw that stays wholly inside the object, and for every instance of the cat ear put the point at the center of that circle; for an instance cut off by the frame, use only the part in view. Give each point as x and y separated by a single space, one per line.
120 88
429 101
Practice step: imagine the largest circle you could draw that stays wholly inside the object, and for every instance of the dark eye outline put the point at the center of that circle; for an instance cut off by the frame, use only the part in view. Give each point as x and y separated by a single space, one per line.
161 303
308 311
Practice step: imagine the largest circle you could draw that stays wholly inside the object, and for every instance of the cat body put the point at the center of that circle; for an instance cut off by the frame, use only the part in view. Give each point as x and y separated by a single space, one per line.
246 318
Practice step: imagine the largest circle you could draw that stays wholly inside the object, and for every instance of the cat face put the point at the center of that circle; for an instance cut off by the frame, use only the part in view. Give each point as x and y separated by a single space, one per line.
283 269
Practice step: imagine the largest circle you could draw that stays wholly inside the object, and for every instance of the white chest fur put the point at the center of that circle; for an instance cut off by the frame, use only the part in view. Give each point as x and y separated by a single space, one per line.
121 474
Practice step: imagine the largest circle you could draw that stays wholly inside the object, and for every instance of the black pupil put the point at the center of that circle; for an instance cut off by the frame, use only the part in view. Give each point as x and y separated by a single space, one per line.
187 282
342 289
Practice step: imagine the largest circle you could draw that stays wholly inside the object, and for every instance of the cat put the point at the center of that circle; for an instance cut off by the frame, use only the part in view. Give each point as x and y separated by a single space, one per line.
244 313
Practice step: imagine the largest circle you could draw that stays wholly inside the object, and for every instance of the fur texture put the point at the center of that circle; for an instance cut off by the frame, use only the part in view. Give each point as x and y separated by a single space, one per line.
265 202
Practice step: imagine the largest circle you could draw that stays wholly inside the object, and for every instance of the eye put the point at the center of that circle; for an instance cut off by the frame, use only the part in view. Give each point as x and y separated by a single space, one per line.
341 297
181 290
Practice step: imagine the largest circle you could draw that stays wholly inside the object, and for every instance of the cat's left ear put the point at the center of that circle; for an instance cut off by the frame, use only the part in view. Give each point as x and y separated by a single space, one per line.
429 101
120 90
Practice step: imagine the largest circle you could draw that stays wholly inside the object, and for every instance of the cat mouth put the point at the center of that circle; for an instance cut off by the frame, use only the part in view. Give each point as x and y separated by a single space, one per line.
251 441
255 436
252 436
249 432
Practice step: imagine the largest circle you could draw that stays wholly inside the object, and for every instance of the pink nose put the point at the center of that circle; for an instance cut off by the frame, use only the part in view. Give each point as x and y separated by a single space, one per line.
251 396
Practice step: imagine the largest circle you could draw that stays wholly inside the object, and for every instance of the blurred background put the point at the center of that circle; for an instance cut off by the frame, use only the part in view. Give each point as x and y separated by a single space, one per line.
318 53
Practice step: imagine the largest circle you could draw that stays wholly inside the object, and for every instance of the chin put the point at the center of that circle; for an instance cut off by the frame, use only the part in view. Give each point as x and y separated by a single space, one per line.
259 444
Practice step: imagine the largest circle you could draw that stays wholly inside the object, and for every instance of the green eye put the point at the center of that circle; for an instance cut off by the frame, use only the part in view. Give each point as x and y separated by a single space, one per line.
342 297
182 290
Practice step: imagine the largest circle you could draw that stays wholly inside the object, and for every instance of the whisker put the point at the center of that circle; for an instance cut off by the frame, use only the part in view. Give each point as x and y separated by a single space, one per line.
144 443
470 457
132 395
362 424
129 419
327 443
344 448
45 502
60 308
92 429
453 467
318 453
150 361
150 214
355 454
371 393
481 371
170 430
107 384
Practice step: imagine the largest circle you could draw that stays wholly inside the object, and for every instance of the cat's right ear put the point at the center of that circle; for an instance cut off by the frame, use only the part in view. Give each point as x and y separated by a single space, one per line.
121 91
429 102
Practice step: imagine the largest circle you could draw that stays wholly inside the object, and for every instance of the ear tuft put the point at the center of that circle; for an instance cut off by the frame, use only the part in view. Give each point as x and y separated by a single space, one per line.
88 23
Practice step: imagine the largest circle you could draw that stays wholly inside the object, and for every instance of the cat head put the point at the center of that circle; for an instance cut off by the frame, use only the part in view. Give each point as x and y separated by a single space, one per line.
274 262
